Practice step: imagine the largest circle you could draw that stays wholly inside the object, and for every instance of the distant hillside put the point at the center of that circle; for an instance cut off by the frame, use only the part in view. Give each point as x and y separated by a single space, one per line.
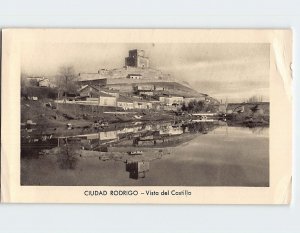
118 76
173 88
122 73
118 79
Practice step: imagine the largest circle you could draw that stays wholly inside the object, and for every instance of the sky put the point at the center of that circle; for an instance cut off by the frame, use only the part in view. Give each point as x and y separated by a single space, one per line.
224 71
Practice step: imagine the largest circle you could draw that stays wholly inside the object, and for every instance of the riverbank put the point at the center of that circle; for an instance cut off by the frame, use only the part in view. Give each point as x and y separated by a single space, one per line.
49 117
59 119
249 120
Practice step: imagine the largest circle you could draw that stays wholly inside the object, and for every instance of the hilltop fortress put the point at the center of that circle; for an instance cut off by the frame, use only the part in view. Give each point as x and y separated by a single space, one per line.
136 71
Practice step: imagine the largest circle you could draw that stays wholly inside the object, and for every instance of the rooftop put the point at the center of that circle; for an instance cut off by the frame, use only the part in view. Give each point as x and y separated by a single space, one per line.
90 76
109 90
102 94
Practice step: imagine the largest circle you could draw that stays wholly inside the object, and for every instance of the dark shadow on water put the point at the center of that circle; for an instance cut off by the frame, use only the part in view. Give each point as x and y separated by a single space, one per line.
137 169
67 158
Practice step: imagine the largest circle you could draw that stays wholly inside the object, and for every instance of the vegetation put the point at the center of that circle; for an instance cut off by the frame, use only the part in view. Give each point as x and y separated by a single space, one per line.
201 127
66 82
198 106
67 79
255 99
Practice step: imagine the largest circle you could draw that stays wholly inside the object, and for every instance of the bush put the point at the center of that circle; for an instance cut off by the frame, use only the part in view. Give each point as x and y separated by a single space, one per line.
198 106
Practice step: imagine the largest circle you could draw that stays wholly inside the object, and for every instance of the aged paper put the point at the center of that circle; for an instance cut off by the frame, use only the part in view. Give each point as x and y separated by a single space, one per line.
163 116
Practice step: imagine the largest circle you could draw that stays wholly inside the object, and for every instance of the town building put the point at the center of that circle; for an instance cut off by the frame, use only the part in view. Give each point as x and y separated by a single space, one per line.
69 96
125 103
103 71
143 87
92 91
158 88
38 81
171 100
134 76
108 135
44 82
101 136
107 100
89 91
137 58
142 104
102 99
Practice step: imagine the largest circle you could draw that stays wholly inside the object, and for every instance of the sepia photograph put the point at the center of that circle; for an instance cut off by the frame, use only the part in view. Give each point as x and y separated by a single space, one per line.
145 114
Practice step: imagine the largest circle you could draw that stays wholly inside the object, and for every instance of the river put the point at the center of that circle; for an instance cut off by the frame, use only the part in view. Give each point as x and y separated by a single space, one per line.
194 154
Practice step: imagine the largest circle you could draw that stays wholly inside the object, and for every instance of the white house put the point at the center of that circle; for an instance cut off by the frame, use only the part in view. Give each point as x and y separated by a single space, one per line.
44 82
109 135
107 100
97 97
125 102
170 100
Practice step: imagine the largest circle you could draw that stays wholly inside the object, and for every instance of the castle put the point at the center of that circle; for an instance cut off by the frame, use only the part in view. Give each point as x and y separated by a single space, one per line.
137 58
137 72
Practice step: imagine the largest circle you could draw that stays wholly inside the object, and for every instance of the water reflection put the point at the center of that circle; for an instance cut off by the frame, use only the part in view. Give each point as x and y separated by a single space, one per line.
127 139
137 169
67 158
136 146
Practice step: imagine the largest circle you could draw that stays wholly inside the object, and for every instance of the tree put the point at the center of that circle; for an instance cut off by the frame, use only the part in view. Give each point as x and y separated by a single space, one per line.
194 106
67 79
255 99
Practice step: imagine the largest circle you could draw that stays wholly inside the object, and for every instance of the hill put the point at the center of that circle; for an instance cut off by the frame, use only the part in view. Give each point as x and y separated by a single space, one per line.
125 78
172 88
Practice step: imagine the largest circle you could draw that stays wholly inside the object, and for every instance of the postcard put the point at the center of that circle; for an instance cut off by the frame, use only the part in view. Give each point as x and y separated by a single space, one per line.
146 116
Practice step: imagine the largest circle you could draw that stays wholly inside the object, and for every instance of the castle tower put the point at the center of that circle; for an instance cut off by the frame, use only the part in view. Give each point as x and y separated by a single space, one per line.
137 58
